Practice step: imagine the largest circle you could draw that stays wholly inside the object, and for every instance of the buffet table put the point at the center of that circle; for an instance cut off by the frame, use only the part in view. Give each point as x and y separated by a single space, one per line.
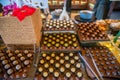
67 51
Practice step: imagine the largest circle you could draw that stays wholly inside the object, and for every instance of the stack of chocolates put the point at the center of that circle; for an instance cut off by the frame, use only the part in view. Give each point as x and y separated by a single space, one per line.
15 64
107 64
59 41
61 66
91 32
59 25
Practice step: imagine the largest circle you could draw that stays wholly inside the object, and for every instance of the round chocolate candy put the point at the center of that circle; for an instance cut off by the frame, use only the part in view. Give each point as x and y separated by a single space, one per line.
4 62
45 74
26 51
73 69
10 54
56 74
68 74
2 58
9 71
62 69
57 58
8 51
15 62
18 67
51 69
66 57
79 74
44 55
7 66
53 55
57 65
12 58
67 65
62 61
42 61
19 55
46 65
61 54
40 69
22 58
17 51
71 54
52 61
78 65
48 58
29 55
26 62
72 61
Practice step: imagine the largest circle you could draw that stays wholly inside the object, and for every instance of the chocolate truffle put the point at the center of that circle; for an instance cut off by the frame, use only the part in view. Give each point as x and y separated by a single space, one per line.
61 54
46 65
78 65
40 69
45 74
22 58
56 74
67 65
2 58
48 58
17 51
4 62
7 66
57 58
42 61
61 61
12 58
18 67
68 74
44 54
26 62
29 55
79 74
15 62
57 65
62 69
51 69
9 71
52 61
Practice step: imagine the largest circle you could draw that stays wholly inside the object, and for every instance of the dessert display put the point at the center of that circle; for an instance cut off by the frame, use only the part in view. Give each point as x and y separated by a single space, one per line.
90 32
107 64
60 68
59 25
59 41
15 64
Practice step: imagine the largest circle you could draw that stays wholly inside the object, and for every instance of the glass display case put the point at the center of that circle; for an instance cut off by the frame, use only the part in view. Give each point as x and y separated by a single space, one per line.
76 4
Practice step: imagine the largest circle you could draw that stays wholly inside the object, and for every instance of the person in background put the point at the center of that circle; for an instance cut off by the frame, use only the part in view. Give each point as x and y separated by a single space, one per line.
42 4
101 9
1 10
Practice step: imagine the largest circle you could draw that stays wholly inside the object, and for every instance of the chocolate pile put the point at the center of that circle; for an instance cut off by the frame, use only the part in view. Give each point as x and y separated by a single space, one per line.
59 25
107 64
59 41
91 32
63 66
15 64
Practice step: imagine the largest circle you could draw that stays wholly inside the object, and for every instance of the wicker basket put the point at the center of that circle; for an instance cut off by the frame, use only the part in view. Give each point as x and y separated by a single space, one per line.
25 32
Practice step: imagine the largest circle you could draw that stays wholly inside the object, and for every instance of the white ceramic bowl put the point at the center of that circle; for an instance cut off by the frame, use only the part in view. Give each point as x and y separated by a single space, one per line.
86 14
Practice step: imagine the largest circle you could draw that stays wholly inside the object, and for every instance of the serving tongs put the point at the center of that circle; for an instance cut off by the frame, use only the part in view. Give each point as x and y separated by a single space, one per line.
90 67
